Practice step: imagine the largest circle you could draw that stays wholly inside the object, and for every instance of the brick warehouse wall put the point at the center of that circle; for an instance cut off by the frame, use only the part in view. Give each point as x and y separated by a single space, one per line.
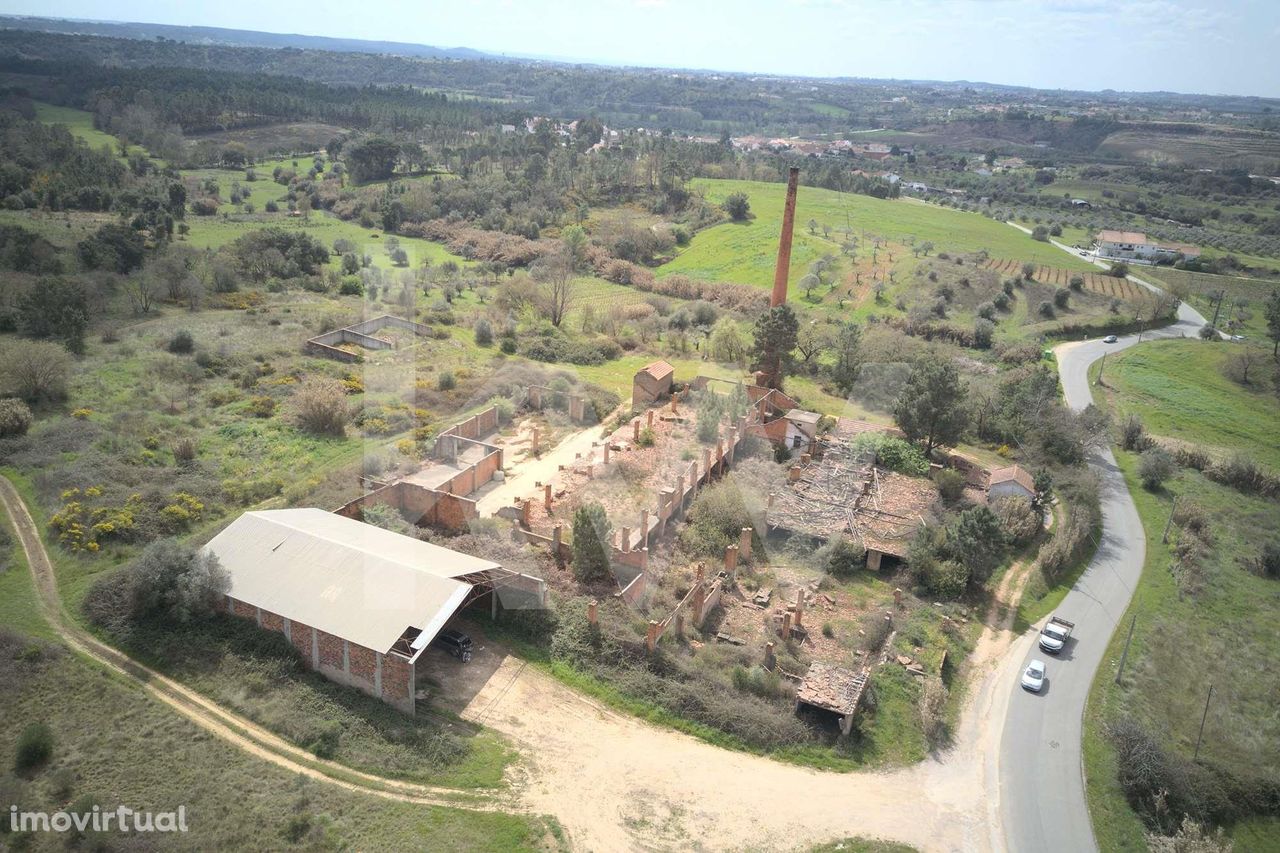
388 677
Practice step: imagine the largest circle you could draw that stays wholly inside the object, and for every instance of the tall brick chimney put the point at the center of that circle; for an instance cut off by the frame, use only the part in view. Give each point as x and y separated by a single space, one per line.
783 269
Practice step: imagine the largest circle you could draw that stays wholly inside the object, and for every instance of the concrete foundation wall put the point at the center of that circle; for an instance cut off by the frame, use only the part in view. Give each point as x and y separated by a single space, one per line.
421 506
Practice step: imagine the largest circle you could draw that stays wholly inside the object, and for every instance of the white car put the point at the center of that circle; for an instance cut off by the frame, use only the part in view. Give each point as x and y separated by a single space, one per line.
1033 676
1110 339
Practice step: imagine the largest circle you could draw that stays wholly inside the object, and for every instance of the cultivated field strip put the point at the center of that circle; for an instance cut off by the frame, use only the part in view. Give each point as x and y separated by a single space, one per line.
1099 283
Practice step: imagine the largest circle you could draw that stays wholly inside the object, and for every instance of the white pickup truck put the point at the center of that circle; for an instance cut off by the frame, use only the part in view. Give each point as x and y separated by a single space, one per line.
1055 633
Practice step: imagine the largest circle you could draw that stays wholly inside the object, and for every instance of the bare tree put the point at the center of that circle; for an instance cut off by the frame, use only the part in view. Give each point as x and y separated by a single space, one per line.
1240 362
557 292
812 340
142 290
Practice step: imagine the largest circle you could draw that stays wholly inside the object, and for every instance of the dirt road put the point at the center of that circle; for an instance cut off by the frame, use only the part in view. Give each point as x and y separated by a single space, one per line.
218 721
617 783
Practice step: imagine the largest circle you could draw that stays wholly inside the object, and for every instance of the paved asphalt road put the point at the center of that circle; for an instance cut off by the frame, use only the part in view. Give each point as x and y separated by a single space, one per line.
1042 796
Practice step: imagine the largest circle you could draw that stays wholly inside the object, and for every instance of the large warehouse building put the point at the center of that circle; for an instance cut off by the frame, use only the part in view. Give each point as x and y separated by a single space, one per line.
359 603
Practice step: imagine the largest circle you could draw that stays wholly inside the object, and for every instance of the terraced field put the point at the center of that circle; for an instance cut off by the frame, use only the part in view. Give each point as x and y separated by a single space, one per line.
1100 283
744 252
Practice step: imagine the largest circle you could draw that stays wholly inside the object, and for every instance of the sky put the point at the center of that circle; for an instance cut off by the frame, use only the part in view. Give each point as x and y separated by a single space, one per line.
1223 47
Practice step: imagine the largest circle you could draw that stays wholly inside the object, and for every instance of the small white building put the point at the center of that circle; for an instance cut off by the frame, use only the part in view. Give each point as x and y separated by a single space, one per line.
1135 246
802 430
1009 482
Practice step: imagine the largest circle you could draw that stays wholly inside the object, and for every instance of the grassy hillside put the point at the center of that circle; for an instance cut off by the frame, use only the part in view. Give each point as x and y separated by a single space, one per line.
1178 389
147 757
745 252
1203 620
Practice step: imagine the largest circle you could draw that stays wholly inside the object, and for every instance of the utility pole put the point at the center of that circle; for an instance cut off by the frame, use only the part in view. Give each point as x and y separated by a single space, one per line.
1124 656
1203 717
1101 364
1221 295
1169 523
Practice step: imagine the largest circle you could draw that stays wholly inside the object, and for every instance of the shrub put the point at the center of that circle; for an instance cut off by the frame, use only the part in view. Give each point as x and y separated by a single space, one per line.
716 519
1045 309
738 206
950 484
987 310
483 333
591 531
893 453
446 381
184 451
182 343
35 370
35 747
262 407
1267 563
1119 269
320 407
1077 283
1061 298
647 438
1019 520
15 417
841 557
174 581
947 579
1132 434
1154 467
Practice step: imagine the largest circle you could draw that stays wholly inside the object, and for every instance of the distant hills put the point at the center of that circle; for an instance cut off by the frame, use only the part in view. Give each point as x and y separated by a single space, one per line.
239 38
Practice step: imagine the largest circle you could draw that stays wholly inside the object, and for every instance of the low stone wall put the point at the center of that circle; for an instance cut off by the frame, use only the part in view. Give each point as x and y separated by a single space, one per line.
361 334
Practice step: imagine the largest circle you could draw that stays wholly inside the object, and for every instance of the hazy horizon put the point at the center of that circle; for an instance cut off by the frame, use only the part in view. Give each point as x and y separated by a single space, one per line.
1047 44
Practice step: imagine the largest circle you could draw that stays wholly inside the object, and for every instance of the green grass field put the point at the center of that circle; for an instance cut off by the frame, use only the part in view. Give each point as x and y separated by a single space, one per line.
113 745
1225 630
745 252
1244 308
1179 391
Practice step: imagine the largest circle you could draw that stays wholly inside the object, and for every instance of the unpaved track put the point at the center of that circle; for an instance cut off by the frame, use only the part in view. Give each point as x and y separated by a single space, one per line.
618 783
224 724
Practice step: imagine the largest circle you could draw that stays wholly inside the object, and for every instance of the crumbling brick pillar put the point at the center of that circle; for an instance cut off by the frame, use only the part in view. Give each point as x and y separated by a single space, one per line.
800 607
606 453
693 480
593 614
535 443
744 543
644 528
731 560
546 498
526 513
786 625
576 409
706 464
897 598
770 659
635 430
699 594
675 400
873 560
651 636
649 419
626 540
793 473
557 537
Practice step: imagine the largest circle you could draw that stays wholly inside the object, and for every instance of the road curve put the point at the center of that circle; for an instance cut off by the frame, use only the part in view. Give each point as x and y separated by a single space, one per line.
1042 797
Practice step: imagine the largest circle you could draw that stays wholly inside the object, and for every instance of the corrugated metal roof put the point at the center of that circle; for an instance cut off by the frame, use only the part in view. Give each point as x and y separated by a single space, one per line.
342 576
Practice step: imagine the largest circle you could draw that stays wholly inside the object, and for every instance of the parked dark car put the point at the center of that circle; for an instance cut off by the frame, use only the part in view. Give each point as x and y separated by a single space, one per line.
455 643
